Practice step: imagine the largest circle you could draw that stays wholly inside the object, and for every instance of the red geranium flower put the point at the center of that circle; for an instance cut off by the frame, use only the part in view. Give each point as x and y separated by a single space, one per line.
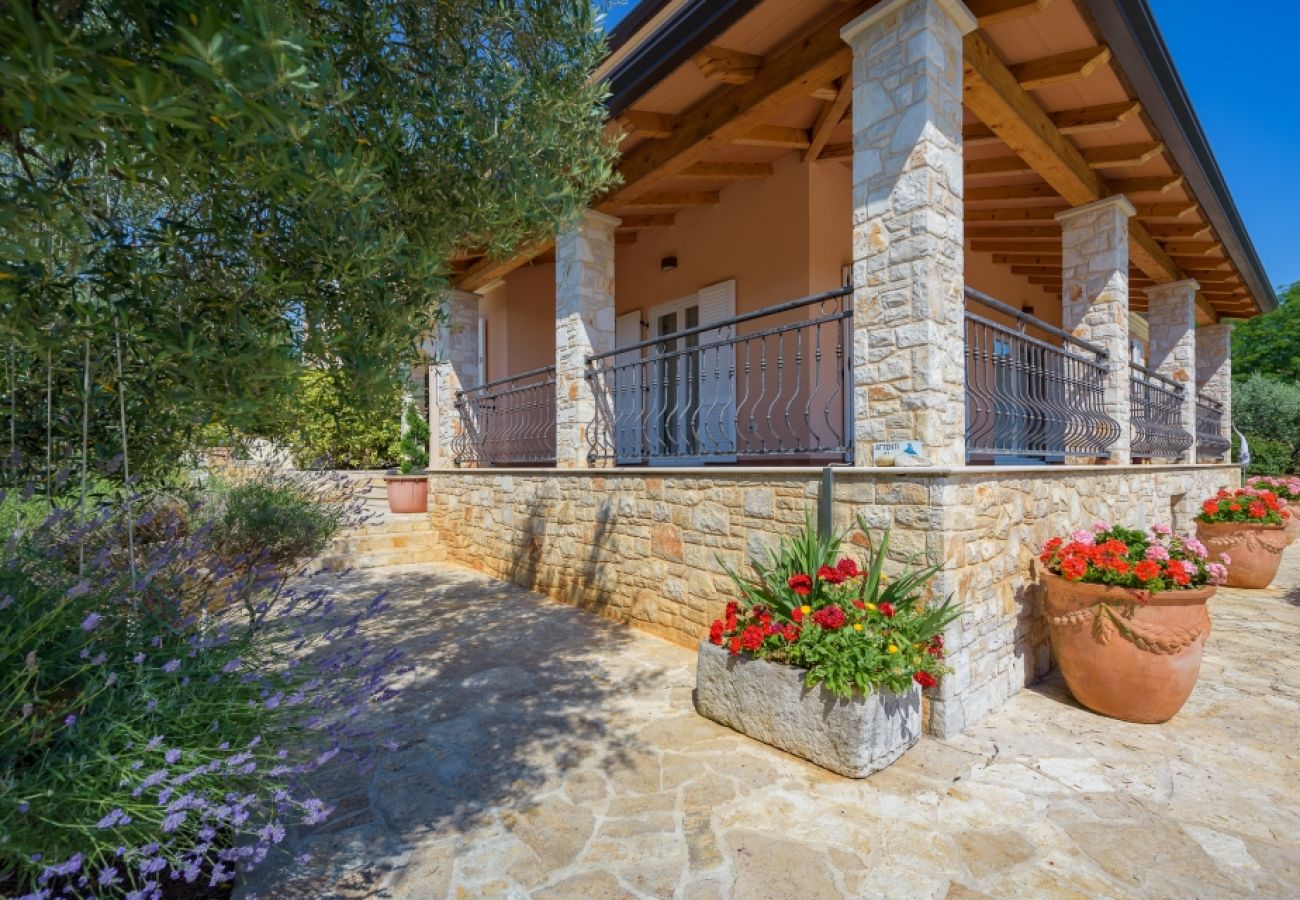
790 633
752 637
1210 508
797 613
1147 569
1257 510
832 576
830 617
924 679
1073 568
734 647
801 584
886 610
859 604
715 632
847 567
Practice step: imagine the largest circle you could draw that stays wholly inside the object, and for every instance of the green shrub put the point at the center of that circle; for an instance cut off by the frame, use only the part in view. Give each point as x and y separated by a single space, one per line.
276 519
333 429
414 446
1268 413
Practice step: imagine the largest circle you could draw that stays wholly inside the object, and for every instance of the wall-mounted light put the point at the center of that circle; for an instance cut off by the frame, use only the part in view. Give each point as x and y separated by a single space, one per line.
1027 309
667 264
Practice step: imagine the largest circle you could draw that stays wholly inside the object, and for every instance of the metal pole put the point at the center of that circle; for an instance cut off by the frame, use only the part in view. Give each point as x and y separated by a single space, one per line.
826 503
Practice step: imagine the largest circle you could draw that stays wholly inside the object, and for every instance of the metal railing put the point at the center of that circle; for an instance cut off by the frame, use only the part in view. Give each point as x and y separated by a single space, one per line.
506 422
766 385
1155 407
1210 442
1031 396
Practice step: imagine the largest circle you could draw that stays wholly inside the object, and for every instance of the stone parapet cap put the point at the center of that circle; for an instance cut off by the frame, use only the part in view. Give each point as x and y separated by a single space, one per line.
1117 201
841 472
956 10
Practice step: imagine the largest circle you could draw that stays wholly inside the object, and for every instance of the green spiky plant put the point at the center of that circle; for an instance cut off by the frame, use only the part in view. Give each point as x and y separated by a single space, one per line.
414 446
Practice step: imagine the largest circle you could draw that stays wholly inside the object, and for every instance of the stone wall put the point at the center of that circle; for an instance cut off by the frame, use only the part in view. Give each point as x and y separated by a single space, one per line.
648 546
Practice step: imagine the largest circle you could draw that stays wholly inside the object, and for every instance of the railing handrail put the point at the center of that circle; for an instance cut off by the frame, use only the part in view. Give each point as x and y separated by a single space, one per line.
1216 405
985 300
543 370
734 320
1156 376
1028 338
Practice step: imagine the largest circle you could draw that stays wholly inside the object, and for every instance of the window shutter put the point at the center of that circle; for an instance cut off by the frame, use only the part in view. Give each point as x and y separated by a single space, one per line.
627 388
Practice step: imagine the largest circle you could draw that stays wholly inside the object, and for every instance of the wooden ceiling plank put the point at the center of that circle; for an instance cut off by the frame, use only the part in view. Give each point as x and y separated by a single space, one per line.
1193 248
828 118
675 198
1171 232
728 66
1028 259
837 151
1061 68
1003 192
1048 271
652 220
1067 121
1022 232
994 12
1015 215
726 170
1164 210
1156 184
997 165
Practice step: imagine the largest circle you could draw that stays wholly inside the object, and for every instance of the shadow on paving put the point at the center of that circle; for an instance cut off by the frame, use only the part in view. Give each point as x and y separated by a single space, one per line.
507 692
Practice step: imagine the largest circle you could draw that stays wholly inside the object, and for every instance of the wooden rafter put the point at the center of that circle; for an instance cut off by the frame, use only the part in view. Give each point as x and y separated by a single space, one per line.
1022 232
830 115
1004 192
1058 69
731 171
1120 155
488 270
652 220
729 66
674 198
1037 270
776 136
837 151
1016 216
1148 184
1028 259
1164 210
1067 121
1175 232
647 124
994 12
1194 248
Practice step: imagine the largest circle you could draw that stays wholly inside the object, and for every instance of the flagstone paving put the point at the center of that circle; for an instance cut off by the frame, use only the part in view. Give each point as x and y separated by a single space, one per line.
548 753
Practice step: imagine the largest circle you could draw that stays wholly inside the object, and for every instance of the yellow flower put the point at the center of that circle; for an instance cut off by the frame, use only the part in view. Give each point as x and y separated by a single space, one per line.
892 648
871 607
857 626
805 609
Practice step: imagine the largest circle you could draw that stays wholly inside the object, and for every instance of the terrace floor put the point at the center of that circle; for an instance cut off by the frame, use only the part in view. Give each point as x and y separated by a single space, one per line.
549 753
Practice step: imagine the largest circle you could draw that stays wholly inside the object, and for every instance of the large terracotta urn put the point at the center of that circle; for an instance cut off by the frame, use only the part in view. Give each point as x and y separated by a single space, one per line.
407 493
1131 660
1255 551
1292 525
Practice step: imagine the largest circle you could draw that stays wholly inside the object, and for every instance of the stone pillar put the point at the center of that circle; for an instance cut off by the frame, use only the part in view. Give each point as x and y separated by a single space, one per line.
1171 345
584 325
1094 305
456 366
1214 368
909 377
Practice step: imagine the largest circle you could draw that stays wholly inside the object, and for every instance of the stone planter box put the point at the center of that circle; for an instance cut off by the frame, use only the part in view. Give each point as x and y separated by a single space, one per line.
769 703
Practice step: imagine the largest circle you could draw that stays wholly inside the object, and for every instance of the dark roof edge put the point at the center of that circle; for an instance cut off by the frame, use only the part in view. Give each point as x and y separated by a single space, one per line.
643 11
674 42
1130 30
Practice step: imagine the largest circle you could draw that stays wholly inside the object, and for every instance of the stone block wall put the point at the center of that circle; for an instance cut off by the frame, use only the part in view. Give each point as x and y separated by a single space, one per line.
648 546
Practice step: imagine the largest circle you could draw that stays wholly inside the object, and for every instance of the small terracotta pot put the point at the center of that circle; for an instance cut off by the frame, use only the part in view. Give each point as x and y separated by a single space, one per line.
1128 660
1255 550
407 493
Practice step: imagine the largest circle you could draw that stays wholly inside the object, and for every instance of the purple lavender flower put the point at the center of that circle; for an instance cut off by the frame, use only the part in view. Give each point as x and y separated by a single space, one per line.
107 876
70 720
91 622
138 659
23 806
174 821
80 589
172 756
171 666
111 819
155 742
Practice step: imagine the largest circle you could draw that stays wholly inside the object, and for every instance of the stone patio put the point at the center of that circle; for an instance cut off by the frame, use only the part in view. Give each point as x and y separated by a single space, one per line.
549 753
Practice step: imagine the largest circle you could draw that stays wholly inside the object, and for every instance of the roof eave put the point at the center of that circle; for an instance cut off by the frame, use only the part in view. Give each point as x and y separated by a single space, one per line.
1129 28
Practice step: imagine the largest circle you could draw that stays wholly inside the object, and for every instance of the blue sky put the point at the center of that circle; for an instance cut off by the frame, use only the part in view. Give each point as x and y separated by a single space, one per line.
1239 69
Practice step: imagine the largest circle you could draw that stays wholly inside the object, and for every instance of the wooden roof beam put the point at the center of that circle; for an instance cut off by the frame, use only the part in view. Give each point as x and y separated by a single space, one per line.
776 136
488 270
830 115
1067 121
1028 259
731 171
1164 210
1059 69
729 66
644 123
816 59
1149 184
994 12
1120 155
1016 216
674 198
1173 232
653 220
1002 192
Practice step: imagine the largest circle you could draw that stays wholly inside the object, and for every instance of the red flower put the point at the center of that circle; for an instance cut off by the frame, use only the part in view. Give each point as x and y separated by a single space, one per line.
830 617
832 576
1119 566
1073 568
801 584
790 633
1257 510
1115 548
1147 569
1179 577
715 632
1234 507
859 604
797 613
847 567
924 679
752 637
734 647
886 610
1210 508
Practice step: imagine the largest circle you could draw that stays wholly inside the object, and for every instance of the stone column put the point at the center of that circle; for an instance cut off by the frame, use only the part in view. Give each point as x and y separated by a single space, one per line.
1171 345
1214 368
584 325
456 366
909 377
1094 305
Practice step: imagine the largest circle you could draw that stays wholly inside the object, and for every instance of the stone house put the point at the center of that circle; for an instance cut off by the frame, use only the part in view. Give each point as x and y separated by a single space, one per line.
976 258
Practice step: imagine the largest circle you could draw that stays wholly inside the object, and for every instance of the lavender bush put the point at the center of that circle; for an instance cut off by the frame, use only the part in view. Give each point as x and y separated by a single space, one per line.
162 704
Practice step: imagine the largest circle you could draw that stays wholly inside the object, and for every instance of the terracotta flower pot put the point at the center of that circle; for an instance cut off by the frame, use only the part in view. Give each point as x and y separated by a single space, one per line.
1128 660
1255 550
1292 528
407 493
